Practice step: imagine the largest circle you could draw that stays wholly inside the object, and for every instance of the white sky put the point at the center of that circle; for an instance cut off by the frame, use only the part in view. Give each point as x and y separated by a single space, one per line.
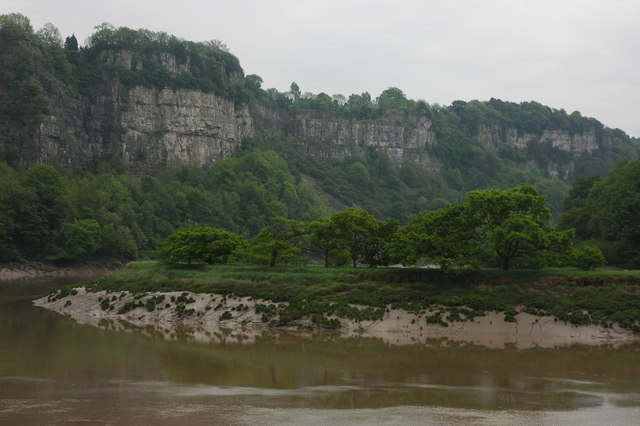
574 54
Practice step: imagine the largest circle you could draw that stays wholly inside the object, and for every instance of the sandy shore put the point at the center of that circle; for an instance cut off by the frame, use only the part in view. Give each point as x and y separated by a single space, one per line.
13 271
216 318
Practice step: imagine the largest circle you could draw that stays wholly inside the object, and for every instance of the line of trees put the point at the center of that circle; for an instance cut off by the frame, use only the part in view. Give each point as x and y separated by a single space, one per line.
493 227
49 215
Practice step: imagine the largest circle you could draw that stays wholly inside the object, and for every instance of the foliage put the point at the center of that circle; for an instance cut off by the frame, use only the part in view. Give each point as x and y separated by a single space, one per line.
201 245
354 229
46 214
445 236
514 224
37 65
605 213
588 258
278 240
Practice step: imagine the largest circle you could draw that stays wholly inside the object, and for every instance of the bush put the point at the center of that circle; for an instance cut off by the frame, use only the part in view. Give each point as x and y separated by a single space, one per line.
588 258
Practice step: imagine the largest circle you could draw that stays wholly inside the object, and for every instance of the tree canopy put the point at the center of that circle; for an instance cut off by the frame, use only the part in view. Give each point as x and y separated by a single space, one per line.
514 223
605 213
201 245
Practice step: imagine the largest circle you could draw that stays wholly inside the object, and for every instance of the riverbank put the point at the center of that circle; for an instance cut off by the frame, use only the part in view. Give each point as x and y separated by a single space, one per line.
400 306
13 271
217 318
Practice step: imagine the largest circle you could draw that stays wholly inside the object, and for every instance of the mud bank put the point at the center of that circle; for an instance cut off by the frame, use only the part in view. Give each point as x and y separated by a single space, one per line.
13 271
215 318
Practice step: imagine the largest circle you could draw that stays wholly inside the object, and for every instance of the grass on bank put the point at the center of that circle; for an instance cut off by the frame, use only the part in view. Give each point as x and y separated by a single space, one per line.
580 297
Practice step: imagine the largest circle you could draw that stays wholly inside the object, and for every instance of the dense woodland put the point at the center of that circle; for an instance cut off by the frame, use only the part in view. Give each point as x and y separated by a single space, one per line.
106 211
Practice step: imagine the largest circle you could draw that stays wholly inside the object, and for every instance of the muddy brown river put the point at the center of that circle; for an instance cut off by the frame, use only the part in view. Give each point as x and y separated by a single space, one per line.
55 371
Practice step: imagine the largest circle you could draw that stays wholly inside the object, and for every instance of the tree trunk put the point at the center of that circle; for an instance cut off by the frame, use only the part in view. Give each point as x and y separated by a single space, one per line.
274 257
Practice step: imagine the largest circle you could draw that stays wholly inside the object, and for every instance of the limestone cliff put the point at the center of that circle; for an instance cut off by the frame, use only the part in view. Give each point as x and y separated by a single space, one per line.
146 108
557 150
407 142
412 140
148 127
163 127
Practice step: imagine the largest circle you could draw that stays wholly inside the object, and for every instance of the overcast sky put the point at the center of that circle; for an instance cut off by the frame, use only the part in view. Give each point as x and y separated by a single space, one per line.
579 55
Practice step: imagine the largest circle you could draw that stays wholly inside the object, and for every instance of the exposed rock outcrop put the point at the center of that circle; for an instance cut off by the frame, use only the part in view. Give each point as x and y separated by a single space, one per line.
576 143
149 128
406 142
163 127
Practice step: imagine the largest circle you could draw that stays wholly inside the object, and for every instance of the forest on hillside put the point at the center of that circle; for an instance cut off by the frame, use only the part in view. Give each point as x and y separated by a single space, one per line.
105 210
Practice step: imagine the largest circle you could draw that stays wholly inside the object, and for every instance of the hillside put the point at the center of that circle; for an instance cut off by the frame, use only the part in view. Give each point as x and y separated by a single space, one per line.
150 100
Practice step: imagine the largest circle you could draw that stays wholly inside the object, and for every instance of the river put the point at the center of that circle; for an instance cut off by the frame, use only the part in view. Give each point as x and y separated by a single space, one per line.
55 371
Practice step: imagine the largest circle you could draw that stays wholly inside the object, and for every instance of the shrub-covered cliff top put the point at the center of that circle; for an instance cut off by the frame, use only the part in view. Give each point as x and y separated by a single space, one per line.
133 57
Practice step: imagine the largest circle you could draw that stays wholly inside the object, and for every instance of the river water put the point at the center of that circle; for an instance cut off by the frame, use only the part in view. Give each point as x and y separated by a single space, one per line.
55 371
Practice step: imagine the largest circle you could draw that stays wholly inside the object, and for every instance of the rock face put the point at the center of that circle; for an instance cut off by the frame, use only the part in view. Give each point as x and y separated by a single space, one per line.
337 139
147 127
572 143
163 127
150 128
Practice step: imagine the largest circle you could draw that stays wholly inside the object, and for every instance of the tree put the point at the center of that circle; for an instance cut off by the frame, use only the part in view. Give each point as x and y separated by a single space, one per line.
15 26
513 223
359 175
278 240
360 106
588 258
253 82
49 35
202 245
295 91
80 239
71 43
354 228
324 237
447 236
392 99
375 249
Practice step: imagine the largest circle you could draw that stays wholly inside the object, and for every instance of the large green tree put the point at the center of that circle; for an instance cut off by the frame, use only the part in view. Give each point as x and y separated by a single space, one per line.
514 224
324 238
277 241
355 229
201 245
446 236
606 213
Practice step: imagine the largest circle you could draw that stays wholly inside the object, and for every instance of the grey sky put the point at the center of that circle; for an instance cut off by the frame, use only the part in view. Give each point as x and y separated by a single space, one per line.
574 54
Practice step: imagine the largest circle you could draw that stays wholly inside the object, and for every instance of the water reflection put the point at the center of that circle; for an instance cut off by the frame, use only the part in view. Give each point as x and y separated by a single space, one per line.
52 367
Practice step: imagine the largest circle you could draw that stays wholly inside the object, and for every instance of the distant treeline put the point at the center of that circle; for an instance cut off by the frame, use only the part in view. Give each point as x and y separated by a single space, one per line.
493 227
48 215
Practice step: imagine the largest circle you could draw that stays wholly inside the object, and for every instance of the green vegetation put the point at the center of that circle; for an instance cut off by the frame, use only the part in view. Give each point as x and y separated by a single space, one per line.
38 66
493 225
45 214
201 245
269 190
372 182
605 213
576 296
